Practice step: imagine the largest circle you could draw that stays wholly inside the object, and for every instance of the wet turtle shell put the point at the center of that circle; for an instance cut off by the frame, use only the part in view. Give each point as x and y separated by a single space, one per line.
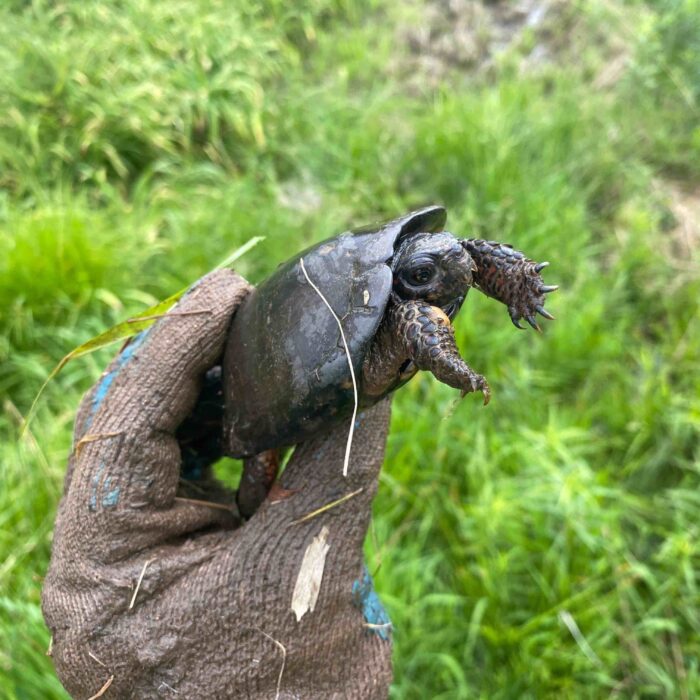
285 372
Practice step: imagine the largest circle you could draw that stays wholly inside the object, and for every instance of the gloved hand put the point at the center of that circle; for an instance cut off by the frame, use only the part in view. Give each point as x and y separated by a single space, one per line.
152 595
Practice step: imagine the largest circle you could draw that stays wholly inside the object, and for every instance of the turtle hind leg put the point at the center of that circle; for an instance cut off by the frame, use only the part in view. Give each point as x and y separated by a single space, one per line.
429 340
259 473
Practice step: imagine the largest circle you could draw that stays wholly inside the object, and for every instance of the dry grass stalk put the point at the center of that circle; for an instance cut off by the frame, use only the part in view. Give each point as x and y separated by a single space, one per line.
208 504
282 649
138 583
327 507
92 437
27 433
92 656
103 689
346 461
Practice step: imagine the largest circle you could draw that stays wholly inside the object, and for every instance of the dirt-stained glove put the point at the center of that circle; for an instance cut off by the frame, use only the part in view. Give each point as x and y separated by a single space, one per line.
151 594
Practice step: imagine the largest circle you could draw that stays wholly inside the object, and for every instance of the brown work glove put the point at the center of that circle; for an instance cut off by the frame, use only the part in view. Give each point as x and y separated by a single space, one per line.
152 595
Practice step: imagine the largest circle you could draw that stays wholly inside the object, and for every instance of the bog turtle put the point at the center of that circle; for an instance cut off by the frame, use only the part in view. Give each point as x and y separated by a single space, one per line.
394 287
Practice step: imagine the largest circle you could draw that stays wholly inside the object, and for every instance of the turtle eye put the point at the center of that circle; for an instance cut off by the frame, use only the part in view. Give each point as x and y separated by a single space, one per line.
421 275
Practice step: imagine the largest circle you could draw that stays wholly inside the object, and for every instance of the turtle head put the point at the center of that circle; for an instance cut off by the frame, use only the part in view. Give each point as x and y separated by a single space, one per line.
433 267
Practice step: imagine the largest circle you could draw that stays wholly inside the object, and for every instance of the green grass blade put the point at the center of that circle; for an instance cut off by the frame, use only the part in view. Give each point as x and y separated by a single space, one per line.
128 329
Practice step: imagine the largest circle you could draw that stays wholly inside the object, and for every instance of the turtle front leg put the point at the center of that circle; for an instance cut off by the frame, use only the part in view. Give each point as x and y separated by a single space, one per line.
507 275
429 340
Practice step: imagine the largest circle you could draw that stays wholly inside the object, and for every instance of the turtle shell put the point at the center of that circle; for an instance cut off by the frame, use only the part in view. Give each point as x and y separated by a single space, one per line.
285 372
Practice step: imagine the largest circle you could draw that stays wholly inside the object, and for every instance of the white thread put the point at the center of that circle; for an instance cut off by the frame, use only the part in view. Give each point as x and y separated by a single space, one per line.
346 461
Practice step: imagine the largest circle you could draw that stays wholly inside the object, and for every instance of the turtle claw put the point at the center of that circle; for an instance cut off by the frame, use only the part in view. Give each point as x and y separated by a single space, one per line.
528 297
543 312
515 318
508 276
478 383
531 320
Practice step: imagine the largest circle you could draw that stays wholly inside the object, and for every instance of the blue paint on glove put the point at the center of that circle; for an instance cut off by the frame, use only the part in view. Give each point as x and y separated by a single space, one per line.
106 382
366 599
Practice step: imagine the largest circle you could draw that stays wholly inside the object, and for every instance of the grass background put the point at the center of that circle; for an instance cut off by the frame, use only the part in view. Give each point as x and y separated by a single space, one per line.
544 547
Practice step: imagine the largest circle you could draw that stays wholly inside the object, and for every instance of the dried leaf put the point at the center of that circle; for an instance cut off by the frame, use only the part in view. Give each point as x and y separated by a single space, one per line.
308 584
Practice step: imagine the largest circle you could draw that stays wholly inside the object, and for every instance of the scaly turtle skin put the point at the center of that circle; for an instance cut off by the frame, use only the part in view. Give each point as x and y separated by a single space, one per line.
395 288
417 335
508 276
432 274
